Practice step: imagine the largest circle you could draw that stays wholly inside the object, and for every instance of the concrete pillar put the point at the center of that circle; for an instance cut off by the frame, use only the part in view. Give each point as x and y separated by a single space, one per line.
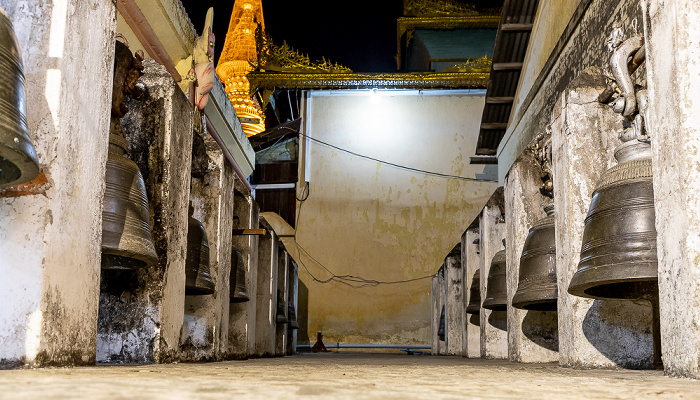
600 333
434 313
470 265
283 261
50 241
205 330
454 305
141 313
242 316
493 324
293 296
266 297
441 344
673 76
532 335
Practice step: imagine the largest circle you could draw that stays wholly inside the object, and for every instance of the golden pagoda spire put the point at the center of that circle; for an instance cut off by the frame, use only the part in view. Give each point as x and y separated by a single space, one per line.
235 63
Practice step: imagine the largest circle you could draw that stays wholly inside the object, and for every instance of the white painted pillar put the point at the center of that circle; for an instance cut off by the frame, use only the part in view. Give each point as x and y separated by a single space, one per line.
51 242
434 313
454 306
471 262
266 297
672 29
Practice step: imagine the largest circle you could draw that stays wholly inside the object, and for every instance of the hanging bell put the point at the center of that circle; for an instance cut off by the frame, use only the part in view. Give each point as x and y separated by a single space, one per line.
474 295
238 293
18 161
537 284
496 298
281 316
441 327
197 277
618 255
293 323
126 235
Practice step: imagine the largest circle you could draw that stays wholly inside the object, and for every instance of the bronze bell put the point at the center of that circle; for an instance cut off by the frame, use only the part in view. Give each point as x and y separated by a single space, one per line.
18 161
441 327
197 278
475 294
238 293
496 298
618 255
126 234
281 316
537 284
293 323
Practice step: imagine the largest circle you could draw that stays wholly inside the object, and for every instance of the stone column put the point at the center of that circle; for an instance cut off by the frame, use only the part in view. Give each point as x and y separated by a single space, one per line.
441 344
294 298
242 316
592 333
454 306
493 324
283 287
434 314
266 297
673 76
50 240
470 264
205 330
141 313
532 335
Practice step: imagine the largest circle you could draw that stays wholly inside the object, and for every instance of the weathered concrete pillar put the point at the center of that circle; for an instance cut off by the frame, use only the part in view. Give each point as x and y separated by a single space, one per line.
470 265
441 343
293 296
494 326
454 305
266 297
673 76
205 330
242 316
283 261
434 313
600 333
141 313
532 335
50 241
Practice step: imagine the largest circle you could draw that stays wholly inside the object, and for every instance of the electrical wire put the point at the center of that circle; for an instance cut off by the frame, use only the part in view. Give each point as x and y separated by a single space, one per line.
437 174
355 282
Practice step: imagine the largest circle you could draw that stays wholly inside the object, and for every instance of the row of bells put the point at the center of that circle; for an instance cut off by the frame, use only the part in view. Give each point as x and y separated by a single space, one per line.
618 252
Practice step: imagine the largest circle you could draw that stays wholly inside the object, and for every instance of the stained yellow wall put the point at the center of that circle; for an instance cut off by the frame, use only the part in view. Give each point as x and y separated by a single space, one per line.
372 220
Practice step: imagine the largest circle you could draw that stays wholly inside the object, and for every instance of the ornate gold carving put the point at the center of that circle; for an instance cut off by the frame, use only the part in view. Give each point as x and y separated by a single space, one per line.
285 59
482 65
438 7
418 80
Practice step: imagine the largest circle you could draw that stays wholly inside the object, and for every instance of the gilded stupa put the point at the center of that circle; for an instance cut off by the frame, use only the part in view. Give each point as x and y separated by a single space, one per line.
235 63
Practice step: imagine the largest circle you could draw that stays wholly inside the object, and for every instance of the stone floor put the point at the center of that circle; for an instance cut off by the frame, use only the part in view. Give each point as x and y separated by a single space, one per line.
343 376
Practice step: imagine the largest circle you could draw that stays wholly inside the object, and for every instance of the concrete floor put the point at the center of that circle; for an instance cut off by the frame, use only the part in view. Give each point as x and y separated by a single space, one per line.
343 376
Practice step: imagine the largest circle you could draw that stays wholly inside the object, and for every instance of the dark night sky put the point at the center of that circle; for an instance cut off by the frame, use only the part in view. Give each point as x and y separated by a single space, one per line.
359 34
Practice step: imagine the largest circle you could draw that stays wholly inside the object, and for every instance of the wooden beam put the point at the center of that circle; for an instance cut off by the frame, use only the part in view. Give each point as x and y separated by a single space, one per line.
516 27
499 100
494 125
249 232
483 160
507 66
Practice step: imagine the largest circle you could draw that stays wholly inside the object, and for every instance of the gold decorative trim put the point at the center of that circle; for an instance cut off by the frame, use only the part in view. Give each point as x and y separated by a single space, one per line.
435 7
286 59
414 80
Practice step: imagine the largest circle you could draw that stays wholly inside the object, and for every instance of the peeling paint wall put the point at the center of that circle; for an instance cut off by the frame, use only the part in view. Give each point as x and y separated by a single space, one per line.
379 222
50 242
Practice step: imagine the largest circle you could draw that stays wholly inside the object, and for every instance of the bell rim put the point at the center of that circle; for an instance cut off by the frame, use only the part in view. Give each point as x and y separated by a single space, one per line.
530 300
23 156
199 290
587 278
494 304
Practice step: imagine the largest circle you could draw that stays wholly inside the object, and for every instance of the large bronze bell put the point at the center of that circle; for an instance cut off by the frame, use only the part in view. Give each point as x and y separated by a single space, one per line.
281 316
441 326
537 283
238 292
475 294
126 234
496 297
618 255
293 323
197 277
18 161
